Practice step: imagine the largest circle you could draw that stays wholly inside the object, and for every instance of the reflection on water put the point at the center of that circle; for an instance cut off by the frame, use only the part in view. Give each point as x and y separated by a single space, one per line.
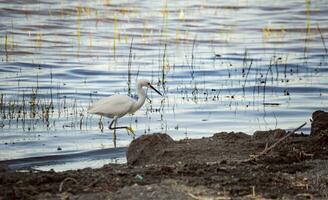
222 65
70 160
80 165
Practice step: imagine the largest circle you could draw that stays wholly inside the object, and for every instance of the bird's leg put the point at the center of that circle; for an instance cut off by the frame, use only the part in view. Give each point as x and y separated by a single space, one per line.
114 133
113 122
128 129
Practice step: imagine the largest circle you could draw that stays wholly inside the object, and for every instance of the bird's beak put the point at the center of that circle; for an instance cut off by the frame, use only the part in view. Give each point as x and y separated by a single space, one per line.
155 90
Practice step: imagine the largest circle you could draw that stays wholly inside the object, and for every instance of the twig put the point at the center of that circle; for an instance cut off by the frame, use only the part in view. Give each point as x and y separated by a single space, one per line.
95 181
266 150
66 179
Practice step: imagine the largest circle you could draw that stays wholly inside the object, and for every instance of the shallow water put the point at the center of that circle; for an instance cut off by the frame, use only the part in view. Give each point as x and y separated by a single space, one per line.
222 65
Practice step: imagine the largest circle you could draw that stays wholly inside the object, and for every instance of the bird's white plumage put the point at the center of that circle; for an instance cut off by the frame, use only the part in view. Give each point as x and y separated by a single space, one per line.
115 105
118 105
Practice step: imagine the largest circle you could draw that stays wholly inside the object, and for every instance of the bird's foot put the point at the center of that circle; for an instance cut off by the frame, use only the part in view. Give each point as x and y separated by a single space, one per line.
130 131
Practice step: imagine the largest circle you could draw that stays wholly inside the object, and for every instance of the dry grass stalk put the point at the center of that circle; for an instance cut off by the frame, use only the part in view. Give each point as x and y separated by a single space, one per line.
267 149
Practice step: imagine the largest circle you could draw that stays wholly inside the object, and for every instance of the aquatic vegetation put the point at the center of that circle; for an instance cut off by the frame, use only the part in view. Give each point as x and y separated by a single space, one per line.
115 34
322 39
271 32
78 28
38 40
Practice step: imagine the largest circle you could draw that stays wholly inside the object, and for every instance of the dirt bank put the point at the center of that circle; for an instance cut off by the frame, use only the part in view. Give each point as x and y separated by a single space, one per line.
216 167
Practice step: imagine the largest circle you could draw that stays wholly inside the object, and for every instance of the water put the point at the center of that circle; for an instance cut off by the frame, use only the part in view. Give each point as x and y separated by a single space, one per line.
222 65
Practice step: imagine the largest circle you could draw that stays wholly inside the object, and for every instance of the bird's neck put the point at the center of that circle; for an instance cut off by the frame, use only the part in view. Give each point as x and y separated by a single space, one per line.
141 98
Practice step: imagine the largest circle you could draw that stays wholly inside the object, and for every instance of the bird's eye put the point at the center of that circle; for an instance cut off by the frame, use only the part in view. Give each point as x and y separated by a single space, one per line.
148 83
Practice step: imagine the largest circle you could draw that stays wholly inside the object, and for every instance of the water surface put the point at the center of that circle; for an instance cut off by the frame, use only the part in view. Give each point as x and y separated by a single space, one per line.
222 66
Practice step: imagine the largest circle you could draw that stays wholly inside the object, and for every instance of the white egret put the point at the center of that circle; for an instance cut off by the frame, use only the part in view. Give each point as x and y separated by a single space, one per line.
118 105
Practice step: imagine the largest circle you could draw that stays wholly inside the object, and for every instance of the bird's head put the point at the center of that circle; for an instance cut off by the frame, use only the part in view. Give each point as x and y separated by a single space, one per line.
146 83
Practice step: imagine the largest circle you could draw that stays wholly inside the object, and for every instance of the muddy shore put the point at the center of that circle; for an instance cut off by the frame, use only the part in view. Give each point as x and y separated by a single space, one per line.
217 167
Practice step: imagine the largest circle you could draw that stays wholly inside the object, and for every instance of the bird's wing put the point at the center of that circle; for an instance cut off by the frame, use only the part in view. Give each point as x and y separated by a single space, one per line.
116 105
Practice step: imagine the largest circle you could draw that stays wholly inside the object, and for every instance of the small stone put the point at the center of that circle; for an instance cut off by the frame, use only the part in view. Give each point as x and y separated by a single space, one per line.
139 177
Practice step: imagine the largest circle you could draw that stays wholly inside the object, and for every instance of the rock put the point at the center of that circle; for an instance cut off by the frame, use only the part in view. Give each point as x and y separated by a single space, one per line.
269 135
319 122
147 148
233 136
